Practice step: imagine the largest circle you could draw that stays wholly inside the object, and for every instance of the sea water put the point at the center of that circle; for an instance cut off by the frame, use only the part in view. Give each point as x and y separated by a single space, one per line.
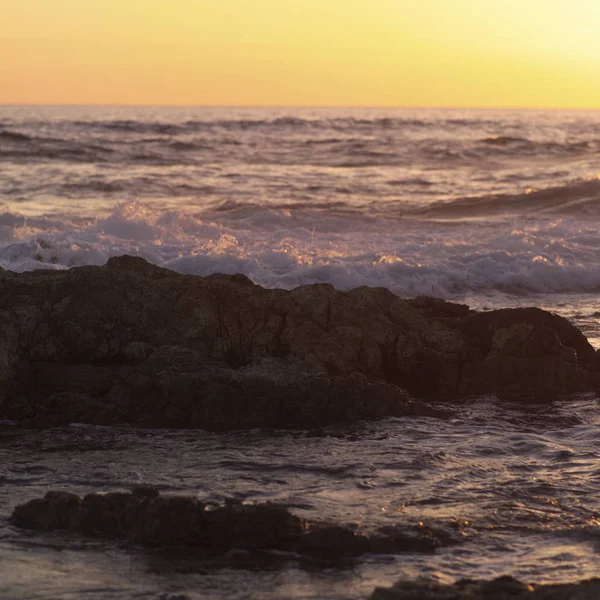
492 208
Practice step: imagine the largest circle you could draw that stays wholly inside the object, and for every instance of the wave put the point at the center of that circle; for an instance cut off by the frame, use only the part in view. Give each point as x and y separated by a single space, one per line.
293 246
340 123
504 140
189 146
23 147
14 136
521 145
349 143
190 126
73 154
131 126
282 122
577 197
19 137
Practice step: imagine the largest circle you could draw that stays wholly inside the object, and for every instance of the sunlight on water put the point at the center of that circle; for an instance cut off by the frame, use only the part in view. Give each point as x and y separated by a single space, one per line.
491 208
515 487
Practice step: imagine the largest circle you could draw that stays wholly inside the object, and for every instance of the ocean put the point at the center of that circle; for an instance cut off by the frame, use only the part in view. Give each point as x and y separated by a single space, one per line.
491 208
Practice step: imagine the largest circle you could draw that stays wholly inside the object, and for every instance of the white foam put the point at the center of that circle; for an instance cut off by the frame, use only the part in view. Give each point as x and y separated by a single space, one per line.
280 248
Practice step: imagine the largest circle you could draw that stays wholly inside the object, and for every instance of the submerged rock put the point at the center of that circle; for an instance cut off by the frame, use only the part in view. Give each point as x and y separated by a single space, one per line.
145 517
502 588
130 342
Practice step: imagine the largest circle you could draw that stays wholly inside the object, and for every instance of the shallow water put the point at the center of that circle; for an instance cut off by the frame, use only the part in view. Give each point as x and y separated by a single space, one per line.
520 485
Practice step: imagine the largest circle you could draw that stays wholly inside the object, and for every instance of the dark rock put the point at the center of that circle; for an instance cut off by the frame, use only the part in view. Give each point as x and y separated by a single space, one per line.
435 308
145 517
502 588
56 510
527 360
145 491
482 327
333 542
130 342
424 538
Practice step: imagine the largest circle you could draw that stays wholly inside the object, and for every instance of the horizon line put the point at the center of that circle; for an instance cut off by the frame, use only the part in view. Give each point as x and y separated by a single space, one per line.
296 106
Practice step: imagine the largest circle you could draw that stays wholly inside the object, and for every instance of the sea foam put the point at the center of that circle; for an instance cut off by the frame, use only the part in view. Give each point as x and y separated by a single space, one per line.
284 248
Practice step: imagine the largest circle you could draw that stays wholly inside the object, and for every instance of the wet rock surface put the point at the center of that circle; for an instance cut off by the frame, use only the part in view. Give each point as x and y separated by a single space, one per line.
144 516
130 342
502 588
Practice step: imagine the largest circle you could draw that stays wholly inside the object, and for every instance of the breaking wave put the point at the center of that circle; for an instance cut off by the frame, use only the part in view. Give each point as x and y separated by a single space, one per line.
287 248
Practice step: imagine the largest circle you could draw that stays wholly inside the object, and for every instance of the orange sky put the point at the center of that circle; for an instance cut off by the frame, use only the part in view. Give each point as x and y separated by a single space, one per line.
530 53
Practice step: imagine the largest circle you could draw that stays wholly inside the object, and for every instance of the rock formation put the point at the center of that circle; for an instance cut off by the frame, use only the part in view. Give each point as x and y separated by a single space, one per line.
145 517
130 342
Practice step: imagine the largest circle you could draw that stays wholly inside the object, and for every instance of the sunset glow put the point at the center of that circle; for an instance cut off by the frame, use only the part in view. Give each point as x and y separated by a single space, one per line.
538 53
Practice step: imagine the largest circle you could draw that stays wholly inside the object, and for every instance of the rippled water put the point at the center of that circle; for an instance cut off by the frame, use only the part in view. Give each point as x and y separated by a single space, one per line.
494 208
521 484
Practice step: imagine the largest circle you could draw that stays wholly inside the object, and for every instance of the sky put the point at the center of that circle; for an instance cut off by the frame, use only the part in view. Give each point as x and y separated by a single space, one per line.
447 53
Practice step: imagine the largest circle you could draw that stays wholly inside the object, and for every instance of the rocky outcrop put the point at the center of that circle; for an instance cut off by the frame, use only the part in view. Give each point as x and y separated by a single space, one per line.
131 342
145 517
502 588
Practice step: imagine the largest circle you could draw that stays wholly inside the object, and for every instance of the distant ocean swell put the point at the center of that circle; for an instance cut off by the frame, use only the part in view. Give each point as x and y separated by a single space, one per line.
13 143
341 142
169 128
